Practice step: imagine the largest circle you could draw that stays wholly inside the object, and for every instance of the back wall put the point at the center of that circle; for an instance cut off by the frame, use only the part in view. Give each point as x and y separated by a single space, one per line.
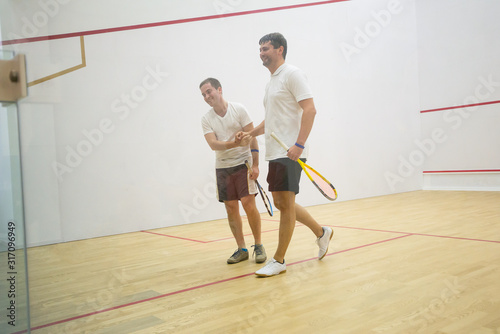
111 133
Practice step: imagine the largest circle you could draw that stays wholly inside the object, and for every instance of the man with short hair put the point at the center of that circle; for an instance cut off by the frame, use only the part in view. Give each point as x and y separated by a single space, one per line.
290 113
234 181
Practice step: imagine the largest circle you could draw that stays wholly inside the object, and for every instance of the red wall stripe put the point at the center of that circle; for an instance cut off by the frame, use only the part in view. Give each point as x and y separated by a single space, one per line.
165 23
462 171
458 107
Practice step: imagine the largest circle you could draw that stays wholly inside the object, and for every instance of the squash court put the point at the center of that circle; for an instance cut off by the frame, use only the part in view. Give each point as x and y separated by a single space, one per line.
416 262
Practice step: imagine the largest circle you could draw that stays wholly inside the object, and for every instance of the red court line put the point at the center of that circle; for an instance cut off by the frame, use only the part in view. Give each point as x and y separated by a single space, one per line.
271 220
195 288
462 171
173 236
458 107
134 303
209 241
164 23
417 234
336 226
353 248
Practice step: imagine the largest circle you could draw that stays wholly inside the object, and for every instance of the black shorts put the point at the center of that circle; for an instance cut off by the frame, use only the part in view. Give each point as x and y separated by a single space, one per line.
284 175
233 183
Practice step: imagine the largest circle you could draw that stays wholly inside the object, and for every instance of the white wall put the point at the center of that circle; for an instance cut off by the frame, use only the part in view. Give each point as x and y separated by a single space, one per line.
128 143
458 66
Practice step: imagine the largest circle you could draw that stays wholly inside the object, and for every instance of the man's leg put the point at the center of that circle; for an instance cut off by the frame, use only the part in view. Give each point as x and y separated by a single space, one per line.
305 218
253 217
235 223
285 202
287 225
234 218
323 234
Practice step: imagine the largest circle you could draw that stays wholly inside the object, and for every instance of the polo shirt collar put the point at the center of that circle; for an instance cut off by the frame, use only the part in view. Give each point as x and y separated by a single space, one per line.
279 69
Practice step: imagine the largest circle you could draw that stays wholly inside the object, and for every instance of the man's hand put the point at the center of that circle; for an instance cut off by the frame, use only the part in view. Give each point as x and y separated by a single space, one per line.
242 138
238 136
294 152
254 173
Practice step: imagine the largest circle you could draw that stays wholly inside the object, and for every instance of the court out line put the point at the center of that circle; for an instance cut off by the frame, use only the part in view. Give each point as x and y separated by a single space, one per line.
163 23
337 226
417 234
354 248
208 241
459 107
462 171
194 288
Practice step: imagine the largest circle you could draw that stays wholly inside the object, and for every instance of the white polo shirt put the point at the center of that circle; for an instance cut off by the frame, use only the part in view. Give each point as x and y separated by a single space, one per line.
224 128
288 86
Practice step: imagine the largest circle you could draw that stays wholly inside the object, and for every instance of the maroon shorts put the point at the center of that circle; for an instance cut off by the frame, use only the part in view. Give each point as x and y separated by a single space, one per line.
233 183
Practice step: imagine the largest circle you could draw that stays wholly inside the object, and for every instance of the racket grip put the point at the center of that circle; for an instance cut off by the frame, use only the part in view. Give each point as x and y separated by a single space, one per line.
279 141
248 165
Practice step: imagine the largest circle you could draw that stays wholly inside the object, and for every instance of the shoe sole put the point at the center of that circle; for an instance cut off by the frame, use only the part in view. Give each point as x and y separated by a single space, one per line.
331 236
264 275
236 261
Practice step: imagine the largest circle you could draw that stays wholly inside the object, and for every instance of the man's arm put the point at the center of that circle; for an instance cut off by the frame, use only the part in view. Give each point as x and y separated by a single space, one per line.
259 130
217 145
254 147
306 123
246 136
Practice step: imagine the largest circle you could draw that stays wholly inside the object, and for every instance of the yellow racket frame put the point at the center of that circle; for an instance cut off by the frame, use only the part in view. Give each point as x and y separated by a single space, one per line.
305 167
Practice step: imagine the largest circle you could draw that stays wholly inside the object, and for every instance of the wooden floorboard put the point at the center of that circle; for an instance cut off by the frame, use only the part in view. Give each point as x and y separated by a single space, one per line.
417 262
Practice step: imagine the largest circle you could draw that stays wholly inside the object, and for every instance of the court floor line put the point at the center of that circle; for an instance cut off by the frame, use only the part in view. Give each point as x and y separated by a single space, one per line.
417 234
198 287
354 248
341 227
204 241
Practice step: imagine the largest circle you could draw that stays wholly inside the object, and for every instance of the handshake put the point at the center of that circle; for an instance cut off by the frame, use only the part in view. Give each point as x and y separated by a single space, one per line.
242 138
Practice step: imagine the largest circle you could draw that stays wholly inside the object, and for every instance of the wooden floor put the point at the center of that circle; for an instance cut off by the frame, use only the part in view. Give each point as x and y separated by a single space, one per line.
418 262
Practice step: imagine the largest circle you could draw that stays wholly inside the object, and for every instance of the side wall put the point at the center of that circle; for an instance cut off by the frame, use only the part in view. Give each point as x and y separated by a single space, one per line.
459 94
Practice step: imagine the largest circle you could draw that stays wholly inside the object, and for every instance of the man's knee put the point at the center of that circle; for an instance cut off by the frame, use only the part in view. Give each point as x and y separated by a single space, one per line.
248 202
283 199
232 207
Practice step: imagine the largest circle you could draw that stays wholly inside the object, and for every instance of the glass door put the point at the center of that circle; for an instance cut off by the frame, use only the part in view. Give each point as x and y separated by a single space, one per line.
14 301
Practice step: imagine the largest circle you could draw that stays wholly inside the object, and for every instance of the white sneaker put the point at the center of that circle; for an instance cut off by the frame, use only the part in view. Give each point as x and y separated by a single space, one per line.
324 241
272 268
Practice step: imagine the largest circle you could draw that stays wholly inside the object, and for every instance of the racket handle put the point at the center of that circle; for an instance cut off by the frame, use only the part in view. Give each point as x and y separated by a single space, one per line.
285 147
279 141
248 165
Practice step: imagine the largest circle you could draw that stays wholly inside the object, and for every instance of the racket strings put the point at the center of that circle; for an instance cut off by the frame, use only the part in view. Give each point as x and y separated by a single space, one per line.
324 185
266 200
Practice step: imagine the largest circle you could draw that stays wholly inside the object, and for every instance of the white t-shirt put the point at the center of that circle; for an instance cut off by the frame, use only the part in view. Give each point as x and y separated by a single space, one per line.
224 128
288 86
